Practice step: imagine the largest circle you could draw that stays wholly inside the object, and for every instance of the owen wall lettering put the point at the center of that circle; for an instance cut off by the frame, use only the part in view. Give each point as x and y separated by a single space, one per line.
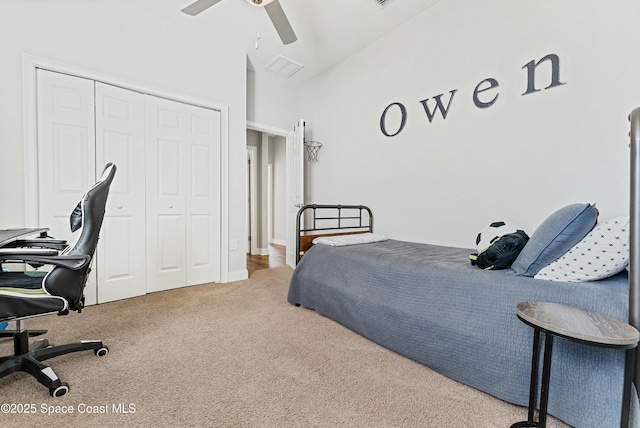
485 95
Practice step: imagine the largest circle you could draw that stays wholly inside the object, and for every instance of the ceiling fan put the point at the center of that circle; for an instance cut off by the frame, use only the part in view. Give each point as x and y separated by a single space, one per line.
273 8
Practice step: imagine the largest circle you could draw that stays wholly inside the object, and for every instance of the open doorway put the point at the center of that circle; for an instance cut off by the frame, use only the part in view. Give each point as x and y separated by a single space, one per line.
266 203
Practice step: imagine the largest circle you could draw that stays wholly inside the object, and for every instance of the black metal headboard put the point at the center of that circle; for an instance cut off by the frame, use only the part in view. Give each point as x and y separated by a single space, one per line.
330 220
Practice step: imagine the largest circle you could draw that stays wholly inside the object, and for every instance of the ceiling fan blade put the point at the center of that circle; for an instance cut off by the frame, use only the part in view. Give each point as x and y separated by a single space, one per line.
199 6
280 21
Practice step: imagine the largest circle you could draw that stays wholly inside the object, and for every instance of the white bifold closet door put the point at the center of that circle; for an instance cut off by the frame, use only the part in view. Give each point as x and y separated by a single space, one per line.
121 254
183 200
162 224
66 153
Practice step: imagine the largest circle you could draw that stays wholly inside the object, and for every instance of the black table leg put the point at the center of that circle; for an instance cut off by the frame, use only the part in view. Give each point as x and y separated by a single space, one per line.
533 383
546 372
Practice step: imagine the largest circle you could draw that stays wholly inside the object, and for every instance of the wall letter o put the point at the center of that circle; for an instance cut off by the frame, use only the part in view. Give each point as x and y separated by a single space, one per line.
403 122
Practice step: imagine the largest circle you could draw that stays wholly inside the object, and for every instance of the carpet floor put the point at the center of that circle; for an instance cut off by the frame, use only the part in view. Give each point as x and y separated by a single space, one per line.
236 355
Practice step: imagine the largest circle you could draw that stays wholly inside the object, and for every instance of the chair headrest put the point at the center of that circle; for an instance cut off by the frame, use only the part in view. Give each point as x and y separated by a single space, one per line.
75 219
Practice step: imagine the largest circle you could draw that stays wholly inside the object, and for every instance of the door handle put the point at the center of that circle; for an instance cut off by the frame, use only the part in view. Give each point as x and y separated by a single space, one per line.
298 205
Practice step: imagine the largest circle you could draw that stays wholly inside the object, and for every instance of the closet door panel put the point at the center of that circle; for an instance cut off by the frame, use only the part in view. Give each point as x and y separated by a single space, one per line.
203 195
117 264
170 170
65 146
200 248
166 194
120 118
170 239
66 152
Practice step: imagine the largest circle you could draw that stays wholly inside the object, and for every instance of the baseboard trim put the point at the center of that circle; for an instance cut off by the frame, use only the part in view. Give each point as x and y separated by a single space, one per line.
238 275
279 241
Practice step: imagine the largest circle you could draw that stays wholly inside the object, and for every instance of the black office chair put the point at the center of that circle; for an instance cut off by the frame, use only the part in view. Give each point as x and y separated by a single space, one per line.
24 295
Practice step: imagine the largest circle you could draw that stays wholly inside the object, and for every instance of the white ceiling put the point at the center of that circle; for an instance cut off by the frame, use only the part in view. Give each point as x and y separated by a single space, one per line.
328 30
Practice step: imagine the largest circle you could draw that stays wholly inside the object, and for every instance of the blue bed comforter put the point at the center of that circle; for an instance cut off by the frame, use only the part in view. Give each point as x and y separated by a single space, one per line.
429 304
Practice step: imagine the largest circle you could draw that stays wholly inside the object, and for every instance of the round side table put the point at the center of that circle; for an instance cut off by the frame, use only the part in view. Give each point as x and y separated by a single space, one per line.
578 325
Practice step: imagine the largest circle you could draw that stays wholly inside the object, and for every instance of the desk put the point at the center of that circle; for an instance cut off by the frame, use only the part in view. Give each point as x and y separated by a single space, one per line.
8 236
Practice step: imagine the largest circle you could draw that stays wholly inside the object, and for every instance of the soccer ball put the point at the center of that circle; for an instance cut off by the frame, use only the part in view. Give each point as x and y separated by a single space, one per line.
492 233
498 245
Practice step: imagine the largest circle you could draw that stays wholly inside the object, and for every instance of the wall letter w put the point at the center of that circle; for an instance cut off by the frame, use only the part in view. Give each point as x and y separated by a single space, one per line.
439 106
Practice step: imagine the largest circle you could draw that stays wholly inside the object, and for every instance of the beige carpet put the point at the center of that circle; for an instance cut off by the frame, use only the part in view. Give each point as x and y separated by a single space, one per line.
238 355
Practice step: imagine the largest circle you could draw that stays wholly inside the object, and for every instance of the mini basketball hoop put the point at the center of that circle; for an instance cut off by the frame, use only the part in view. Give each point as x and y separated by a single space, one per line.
313 148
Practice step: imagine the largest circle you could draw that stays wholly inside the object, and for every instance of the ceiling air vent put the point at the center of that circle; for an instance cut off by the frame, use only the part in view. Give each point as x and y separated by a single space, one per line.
382 3
284 66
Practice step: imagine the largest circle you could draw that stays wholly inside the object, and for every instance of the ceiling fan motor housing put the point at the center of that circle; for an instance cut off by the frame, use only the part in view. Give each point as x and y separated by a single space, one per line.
259 2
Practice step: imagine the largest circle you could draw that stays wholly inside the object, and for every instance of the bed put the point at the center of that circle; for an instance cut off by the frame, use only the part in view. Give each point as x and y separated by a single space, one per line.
428 303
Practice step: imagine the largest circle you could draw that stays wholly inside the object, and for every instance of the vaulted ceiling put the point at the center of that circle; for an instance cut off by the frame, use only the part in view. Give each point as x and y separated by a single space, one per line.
328 30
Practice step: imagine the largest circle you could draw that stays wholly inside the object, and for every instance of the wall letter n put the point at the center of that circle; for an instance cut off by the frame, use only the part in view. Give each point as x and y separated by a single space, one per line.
531 73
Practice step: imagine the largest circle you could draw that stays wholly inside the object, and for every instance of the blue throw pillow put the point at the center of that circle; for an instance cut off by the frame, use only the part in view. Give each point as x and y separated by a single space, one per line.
554 237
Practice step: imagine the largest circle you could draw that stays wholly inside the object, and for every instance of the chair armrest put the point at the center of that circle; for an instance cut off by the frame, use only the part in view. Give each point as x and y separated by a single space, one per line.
56 244
72 262
28 251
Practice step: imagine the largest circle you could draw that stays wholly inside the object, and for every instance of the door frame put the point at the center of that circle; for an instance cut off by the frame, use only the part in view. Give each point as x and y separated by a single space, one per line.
252 152
274 131
267 129
29 66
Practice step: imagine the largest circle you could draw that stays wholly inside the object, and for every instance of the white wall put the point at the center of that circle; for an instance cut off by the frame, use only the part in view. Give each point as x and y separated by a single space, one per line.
270 100
520 159
118 39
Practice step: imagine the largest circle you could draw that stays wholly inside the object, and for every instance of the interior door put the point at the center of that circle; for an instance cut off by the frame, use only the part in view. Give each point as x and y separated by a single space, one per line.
66 153
295 186
120 132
